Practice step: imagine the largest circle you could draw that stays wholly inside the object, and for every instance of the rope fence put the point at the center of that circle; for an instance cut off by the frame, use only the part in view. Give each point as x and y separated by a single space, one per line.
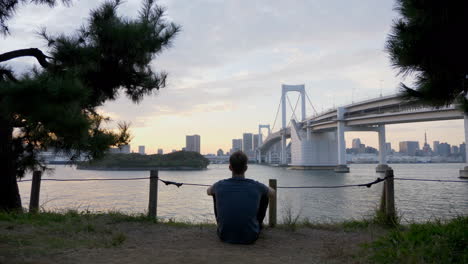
178 184
387 203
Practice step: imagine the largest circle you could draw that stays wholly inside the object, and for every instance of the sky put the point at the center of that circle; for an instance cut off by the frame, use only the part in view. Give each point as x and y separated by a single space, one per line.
228 63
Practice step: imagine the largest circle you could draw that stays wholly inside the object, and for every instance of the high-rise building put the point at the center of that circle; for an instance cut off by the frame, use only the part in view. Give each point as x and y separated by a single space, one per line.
236 145
409 147
220 152
125 149
247 142
256 141
462 150
192 143
435 147
455 150
356 143
388 147
160 151
141 150
444 149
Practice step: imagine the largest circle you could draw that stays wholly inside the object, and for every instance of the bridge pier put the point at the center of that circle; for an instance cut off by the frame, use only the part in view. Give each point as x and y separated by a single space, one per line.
283 158
464 171
382 167
342 167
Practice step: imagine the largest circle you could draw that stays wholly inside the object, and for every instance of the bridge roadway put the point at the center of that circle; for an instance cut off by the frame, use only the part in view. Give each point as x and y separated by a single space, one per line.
369 115
374 112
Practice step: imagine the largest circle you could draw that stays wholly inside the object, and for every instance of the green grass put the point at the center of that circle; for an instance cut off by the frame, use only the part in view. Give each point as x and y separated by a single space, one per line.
432 242
48 232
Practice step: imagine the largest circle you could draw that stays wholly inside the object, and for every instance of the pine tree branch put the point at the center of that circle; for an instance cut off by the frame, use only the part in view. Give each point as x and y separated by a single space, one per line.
8 74
33 52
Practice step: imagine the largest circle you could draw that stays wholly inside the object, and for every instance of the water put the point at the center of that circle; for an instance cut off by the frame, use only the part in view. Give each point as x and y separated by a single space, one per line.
415 201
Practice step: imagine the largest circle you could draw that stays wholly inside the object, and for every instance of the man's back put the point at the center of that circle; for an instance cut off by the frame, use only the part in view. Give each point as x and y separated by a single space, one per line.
237 209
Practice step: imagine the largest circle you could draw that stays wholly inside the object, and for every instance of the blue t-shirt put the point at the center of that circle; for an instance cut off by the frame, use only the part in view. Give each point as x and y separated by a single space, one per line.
237 204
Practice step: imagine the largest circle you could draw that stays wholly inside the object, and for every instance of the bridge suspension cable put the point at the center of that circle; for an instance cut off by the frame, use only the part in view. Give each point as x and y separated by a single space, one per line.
310 102
290 106
276 116
293 110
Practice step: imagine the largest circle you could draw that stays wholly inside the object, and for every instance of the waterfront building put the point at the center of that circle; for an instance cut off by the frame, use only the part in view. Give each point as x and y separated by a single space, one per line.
160 151
462 150
256 141
388 147
236 145
192 143
141 150
455 150
435 147
356 143
444 149
247 142
409 147
220 152
125 149
114 150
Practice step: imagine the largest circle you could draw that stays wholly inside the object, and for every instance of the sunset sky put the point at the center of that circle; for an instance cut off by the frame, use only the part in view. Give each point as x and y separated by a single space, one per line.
227 65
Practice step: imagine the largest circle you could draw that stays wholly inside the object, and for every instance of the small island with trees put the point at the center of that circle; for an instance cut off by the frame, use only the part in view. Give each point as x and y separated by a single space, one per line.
180 160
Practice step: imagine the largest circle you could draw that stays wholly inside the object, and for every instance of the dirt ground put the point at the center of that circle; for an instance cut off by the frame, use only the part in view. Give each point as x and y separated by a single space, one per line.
162 243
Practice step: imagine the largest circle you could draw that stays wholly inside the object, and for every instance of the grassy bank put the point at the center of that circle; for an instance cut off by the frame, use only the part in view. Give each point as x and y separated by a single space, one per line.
46 234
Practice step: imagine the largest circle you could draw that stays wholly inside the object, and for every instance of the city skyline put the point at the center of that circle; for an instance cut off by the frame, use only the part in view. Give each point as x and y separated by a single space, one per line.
237 144
228 81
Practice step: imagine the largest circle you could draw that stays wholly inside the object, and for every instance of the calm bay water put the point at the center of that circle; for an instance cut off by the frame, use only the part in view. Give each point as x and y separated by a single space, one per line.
415 201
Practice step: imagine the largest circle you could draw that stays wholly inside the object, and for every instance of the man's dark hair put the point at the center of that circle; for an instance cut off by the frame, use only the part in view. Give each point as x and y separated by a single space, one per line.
238 162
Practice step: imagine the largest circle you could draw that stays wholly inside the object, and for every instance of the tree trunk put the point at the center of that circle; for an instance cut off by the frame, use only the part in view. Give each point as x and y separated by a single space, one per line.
9 193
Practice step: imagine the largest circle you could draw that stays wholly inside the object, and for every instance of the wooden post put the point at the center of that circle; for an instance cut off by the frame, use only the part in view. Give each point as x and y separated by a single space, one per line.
389 195
153 194
272 205
383 198
35 190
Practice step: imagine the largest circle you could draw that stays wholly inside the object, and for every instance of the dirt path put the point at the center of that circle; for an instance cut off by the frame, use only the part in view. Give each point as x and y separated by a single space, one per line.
160 243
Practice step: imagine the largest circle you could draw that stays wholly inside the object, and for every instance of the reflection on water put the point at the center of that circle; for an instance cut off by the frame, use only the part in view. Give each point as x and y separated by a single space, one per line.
414 200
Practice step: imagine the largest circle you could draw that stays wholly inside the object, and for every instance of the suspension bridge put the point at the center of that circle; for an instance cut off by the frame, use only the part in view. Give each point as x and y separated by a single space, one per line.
318 141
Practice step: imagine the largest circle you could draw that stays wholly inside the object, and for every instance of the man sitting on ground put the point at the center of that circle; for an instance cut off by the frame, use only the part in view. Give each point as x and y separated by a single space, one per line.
240 204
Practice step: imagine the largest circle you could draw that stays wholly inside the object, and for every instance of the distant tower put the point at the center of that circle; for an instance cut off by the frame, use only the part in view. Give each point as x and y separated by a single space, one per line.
141 150
426 148
192 143
236 145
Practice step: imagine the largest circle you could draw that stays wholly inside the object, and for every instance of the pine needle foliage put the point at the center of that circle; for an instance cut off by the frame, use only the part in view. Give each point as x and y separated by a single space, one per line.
428 41
55 106
9 7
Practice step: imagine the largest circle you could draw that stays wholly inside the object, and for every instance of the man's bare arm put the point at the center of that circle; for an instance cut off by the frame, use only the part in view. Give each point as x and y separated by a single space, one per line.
209 191
271 193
